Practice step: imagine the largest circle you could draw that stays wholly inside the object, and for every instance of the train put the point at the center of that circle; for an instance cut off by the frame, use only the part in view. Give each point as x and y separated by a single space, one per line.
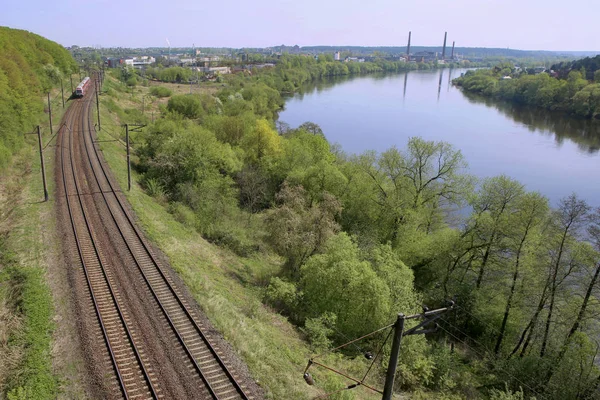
82 88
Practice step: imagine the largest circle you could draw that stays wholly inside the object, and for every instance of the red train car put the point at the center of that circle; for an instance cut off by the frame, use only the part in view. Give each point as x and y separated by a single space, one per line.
82 88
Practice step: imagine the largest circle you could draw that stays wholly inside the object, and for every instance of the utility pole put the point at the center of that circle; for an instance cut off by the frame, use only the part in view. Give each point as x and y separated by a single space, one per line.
388 389
128 159
42 162
97 104
128 150
50 113
428 318
62 92
71 79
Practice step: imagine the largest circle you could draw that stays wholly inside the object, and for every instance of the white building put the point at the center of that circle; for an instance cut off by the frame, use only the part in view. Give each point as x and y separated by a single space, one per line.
336 56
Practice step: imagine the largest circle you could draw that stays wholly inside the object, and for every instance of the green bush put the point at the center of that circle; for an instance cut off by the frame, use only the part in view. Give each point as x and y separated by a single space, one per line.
318 330
188 106
282 295
160 91
154 188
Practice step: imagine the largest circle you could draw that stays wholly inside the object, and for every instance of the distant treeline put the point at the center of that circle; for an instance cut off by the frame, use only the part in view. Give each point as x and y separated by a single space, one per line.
466 51
292 71
29 66
590 64
575 94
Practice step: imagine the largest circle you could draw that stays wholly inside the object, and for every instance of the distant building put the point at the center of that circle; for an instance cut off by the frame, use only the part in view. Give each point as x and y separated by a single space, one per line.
143 61
424 56
354 59
336 56
214 70
265 65
114 62
208 59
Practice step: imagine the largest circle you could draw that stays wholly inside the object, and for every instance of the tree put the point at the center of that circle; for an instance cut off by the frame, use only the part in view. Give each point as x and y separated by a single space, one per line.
297 230
415 183
312 128
530 214
494 204
338 282
594 277
568 220
262 144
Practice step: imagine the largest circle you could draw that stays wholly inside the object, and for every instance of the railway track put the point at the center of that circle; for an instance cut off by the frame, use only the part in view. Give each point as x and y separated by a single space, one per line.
133 377
134 372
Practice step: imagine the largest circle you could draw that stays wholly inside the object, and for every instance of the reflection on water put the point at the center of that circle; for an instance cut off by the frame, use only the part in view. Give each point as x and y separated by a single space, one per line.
546 151
584 132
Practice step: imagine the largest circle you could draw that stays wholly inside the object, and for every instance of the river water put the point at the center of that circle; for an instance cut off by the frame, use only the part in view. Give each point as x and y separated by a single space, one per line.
547 152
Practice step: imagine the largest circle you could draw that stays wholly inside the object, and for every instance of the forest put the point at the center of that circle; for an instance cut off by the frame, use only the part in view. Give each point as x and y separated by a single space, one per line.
574 88
29 67
364 237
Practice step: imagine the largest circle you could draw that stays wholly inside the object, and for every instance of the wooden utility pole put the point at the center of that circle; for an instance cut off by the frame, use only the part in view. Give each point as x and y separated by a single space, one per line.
62 92
128 158
71 79
50 113
97 104
42 163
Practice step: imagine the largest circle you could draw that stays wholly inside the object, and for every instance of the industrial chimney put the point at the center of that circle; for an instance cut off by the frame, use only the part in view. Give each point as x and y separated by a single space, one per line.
453 43
408 48
444 50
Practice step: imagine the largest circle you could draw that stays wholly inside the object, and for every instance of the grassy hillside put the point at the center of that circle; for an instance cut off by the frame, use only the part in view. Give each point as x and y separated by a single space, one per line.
29 67
31 337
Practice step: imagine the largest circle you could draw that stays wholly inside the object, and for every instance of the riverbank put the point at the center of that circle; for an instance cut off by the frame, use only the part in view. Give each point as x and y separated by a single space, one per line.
574 95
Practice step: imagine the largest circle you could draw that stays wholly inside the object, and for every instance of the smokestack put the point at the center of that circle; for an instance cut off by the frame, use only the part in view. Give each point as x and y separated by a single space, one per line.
453 43
444 50
408 48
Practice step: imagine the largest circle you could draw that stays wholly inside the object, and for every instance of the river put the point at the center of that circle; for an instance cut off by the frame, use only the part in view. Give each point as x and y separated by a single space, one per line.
547 152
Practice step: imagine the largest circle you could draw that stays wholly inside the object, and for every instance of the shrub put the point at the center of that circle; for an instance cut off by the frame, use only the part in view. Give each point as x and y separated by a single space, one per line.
282 295
154 188
160 91
318 330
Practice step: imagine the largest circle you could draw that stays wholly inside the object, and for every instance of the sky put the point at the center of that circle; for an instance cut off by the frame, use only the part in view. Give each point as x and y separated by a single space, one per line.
517 24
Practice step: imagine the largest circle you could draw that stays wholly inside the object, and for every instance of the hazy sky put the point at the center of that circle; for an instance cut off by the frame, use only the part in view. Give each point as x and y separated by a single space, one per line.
518 24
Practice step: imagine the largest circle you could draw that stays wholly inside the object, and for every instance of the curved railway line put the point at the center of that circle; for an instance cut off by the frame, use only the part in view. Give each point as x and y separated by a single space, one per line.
122 276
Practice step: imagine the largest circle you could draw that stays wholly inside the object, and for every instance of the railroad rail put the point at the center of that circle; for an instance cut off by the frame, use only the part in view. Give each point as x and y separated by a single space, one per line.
133 377
200 355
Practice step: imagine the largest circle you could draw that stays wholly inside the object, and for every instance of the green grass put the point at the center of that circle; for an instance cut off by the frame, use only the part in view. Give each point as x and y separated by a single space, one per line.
226 287
24 293
28 240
